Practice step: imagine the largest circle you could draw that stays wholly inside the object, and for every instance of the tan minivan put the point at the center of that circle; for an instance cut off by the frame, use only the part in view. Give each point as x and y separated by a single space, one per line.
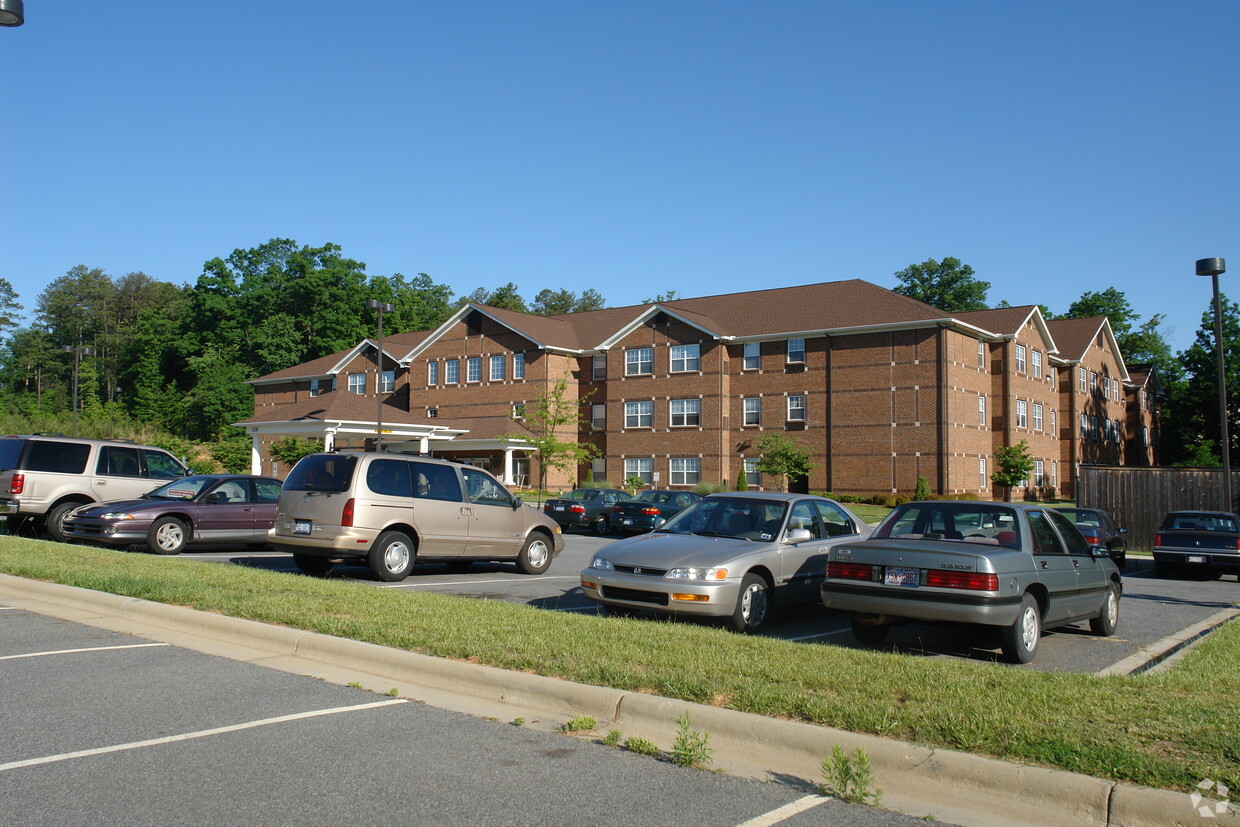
390 510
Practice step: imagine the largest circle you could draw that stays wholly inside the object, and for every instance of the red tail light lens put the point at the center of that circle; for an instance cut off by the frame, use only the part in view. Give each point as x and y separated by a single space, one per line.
17 484
651 510
962 580
1158 539
1093 541
346 516
577 509
850 571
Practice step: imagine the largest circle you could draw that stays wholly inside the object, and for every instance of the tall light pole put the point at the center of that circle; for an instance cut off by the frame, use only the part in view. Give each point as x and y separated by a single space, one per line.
1212 267
381 307
78 352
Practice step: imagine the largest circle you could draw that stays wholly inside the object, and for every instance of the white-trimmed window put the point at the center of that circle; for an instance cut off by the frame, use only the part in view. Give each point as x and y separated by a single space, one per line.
432 413
1050 374
753 356
518 366
1119 432
639 414
1022 414
1115 389
432 373
1054 474
1036 360
1082 378
1020 358
752 406
1093 383
1037 416
314 387
1106 387
1054 427
452 371
1039 478
640 467
686 358
1145 437
357 383
752 477
685 470
796 408
981 473
639 361
473 369
1084 426
1093 428
598 467
598 366
981 410
598 416
685 412
497 368
981 353
518 410
796 351
387 381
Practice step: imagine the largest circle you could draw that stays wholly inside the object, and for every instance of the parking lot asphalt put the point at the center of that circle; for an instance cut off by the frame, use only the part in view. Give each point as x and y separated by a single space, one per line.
1154 612
108 728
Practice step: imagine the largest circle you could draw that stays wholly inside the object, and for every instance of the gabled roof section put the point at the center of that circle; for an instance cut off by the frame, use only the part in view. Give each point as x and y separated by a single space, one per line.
1008 321
331 365
1078 335
336 406
1145 377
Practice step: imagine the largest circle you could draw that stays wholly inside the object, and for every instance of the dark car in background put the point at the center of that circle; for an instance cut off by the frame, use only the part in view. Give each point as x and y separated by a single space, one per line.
650 509
1100 530
1197 541
206 508
586 508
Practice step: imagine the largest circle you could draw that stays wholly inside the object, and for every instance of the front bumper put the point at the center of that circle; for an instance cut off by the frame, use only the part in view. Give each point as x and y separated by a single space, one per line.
662 594
922 603
106 533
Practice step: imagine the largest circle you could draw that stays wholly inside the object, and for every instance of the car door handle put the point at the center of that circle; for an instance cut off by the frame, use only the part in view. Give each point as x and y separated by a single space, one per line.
1076 564
1044 564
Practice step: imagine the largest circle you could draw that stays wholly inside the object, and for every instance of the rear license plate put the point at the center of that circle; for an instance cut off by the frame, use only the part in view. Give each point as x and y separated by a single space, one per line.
902 577
1196 558
558 507
628 522
301 526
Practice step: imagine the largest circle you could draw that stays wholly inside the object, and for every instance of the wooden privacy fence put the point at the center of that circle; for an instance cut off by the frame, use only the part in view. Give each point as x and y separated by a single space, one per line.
1139 498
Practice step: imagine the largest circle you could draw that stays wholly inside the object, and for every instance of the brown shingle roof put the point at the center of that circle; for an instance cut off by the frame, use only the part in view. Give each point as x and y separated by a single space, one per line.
1002 320
1074 336
397 344
337 406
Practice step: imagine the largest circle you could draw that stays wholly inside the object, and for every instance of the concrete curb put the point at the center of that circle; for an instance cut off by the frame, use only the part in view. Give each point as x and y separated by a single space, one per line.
1149 658
950 786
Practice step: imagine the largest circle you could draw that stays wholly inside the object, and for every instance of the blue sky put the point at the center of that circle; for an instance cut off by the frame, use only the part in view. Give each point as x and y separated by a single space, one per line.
633 147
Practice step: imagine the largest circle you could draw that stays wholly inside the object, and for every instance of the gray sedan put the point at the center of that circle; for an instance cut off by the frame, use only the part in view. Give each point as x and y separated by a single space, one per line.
728 556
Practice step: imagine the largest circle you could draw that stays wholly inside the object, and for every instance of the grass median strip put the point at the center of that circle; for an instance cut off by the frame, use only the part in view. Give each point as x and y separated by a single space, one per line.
1169 730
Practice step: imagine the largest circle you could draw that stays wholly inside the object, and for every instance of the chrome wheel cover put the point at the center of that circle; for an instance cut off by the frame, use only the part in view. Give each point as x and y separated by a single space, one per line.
169 536
396 556
1029 628
1112 608
753 605
536 553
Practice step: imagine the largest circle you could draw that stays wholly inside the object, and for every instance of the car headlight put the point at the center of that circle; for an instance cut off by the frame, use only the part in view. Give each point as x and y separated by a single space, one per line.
116 515
715 573
600 563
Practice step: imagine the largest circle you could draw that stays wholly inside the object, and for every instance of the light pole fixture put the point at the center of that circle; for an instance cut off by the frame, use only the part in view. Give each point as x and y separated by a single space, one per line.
12 13
381 307
1213 267
78 352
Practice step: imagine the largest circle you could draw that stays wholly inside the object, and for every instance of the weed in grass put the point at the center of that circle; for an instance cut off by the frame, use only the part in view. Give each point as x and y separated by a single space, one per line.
353 685
393 692
641 746
518 722
689 749
612 738
849 777
581 723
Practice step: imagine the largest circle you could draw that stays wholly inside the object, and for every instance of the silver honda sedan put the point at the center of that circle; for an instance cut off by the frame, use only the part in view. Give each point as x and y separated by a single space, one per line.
730 556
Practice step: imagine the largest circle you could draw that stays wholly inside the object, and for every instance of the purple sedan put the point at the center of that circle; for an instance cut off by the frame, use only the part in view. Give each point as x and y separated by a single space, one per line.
205 508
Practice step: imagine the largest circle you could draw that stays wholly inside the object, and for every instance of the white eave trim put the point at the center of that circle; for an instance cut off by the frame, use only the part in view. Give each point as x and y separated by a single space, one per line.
458 317
646 315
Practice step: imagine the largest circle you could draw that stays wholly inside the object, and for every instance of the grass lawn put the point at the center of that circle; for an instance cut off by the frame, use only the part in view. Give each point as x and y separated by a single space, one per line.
1169 729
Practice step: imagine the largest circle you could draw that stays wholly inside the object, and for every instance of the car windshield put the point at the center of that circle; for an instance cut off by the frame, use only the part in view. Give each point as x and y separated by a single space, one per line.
1200 522
742 518
965 522
185 488
580 495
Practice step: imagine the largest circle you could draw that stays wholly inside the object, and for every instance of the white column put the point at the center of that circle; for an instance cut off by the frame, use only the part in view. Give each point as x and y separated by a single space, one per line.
329 440
508 479
256 457
424 445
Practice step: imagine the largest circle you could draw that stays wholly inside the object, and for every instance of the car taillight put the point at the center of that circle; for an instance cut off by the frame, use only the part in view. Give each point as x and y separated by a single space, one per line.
346 515
962 580
577 509
1158 539
615 509
850 571
17 484
650 510
1093 541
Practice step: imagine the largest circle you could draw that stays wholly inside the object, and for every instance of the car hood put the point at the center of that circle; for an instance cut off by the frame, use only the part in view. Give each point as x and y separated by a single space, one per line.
667 551
129 506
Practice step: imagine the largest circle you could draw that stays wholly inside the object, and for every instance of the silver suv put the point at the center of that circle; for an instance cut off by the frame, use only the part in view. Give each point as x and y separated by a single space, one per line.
44 477
388 510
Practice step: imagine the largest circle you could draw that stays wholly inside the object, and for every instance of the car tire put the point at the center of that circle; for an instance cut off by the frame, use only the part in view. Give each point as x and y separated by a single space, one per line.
1020 641
167 535
753 605
1108 619
55 519
535 555
311 565
600 526
391 557
1122 562
866 633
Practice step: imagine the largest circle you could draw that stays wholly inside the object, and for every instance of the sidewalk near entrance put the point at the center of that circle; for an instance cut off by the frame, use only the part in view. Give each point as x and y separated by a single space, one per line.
949 786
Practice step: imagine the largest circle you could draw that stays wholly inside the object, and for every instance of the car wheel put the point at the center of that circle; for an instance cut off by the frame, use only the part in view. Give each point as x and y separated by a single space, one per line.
56 519
535 556
601 526
1106 621
867 632
1122 560
752 605
391 557
168 535
314 566
1021 639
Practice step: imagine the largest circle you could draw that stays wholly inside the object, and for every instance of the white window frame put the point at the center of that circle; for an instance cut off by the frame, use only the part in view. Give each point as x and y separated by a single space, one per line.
981 410
1020 358
598 366
1036 363
640 467
981 353
357 383
1037 416
685 359
314 387
1082 377
1039 476
639 414
387 381
598 416
496 373
1054 474
796 351
793 409
982 480
746 403
1054 424
751 358
518 366
518 410
635 359
750 467
1022 414
684 413
452 372
473 369
684 470
432 373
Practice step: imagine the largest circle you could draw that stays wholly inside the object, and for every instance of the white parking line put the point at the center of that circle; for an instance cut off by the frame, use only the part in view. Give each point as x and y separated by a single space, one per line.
469 582
786 812
75 651
189 736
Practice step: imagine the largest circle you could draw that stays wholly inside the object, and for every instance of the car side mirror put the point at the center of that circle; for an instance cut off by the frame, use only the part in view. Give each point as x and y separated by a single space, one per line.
218 497
1098 551
516 503
798 535
1123 531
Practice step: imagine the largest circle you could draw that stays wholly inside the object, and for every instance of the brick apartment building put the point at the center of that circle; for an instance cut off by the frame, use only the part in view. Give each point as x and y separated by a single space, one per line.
879 388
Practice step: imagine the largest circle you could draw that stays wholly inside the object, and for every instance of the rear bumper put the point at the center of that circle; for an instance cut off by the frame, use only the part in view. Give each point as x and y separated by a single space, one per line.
349 542
921 603
1199 558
